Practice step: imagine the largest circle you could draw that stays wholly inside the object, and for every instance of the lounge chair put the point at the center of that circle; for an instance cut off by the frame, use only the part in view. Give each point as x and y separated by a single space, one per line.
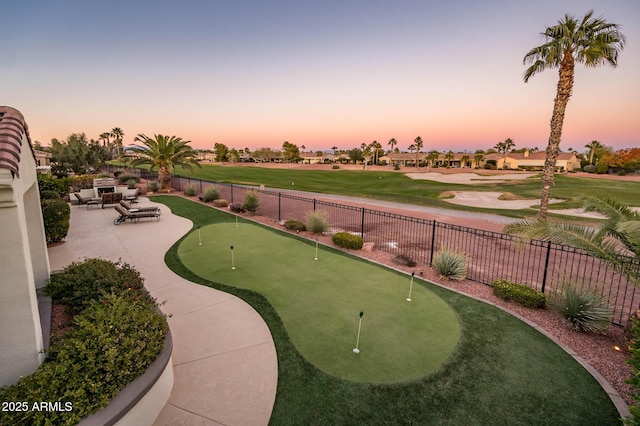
133 215
128 206
81 199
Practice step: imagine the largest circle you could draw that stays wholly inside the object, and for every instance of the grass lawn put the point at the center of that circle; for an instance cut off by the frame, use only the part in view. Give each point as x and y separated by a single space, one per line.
397 187
500 372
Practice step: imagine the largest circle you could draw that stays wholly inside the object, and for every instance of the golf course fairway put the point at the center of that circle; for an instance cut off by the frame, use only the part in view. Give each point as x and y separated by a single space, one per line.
319 302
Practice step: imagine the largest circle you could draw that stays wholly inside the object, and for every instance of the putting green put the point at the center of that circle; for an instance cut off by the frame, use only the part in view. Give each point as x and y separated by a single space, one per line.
319 302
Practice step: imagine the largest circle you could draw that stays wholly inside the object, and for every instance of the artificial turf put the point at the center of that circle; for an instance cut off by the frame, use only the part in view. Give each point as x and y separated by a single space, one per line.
501 371
319 302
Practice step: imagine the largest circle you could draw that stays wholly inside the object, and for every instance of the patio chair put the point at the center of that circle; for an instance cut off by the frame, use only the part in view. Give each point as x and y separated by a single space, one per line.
130 208
133 215
81 199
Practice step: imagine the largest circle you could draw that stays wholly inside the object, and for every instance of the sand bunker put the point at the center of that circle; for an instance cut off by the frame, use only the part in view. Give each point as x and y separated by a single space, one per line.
469 178
489 200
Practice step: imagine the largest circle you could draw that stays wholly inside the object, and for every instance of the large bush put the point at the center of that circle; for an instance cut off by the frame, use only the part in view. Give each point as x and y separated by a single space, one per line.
583 309
251 202
48 183
347 240
450 263
81 282
48 194
210 194
590 168
295 225
124 178
526 296
55 214
317 221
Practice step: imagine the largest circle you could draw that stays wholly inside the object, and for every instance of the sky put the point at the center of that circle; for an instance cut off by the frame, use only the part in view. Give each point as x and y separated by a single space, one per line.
314 73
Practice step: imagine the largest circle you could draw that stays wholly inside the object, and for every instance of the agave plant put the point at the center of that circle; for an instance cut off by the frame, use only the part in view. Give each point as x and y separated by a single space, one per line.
450 263
583 309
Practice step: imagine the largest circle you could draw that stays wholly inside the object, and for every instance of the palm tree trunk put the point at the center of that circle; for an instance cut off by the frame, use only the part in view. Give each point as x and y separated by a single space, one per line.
565 86
164 176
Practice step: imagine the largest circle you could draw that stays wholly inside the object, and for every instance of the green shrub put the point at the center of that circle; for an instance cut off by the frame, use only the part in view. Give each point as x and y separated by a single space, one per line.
590 168
111 343
347 240
295 225
526 296
82 282
55 214
335 167
317 221
396 167
190 191
220 202
210 194
602 168
622 172
153 186
131 184
450 263
634 380
251 202
124 178
583 309
48 183
49 194
236 208
82 181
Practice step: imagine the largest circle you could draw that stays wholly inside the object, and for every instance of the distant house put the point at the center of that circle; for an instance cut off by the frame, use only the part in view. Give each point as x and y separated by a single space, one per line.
25 261
528 160
43 161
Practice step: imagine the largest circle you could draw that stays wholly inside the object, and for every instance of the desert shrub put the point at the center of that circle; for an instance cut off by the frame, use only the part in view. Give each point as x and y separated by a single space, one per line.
335 167
82 282
49 194
153 186
48 183
317 221
582 308
602 168
403 259
236 208
622 172
190 191
83 181
590 168
450 263
131 184
489 166
526 296
124 178
251 202
111 343
396 167
210 194
295 225
220 202
55 215
347 240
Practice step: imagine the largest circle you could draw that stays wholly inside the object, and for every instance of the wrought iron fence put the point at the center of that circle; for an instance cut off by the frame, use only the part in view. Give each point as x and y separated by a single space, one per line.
491 255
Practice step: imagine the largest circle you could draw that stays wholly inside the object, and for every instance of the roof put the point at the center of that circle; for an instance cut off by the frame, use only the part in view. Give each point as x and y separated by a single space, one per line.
539 155
12 127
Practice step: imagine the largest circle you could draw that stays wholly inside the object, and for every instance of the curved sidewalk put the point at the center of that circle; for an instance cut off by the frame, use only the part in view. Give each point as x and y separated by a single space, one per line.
224 359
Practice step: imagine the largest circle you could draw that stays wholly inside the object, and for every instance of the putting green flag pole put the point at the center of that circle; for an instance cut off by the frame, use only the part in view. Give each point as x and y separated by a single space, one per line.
356 350
233 264
199 238
236 221
316 258
411 286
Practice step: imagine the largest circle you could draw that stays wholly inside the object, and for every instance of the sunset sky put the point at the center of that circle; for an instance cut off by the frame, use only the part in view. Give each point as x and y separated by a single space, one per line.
314 73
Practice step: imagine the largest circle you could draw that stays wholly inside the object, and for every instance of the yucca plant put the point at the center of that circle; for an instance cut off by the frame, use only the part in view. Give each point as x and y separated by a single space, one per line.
583 309
317 221
450 263
210 194
190 191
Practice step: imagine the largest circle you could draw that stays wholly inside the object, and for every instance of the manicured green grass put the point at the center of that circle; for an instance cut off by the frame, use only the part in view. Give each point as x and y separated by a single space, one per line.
319 302
399 188
501 372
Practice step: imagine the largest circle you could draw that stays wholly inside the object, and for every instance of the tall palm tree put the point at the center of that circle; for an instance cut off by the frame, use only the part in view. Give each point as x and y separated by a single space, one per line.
593 146
419 144
432 156
105 138
393 142
449 156
164 153
478 157
118 135
591 41
616 243
506 148
334 148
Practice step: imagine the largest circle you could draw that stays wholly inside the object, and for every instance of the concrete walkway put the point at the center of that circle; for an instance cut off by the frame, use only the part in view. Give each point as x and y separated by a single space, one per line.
224 359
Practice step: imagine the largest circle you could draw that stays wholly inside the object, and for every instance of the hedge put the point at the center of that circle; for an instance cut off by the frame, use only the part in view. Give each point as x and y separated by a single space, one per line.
526 296
347 240
55 215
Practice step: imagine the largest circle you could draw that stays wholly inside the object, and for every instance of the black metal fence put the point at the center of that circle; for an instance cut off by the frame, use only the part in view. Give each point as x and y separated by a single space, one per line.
491 255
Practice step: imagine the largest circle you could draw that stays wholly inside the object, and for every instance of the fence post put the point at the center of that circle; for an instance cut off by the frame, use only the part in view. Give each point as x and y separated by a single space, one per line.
200 186
279 217
546 266
231 193
433 241
362 225
314 204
